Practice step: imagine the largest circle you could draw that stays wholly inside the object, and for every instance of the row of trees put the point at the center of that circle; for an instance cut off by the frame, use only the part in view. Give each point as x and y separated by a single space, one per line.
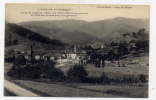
47 70
76 73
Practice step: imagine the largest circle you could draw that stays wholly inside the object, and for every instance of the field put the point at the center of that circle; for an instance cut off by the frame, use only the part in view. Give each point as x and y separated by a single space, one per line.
82 90
134 66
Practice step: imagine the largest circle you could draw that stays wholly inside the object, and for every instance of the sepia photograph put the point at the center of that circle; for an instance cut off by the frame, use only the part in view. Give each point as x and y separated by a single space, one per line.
76 50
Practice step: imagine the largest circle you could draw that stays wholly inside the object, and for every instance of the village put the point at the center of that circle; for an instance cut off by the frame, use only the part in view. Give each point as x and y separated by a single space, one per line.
99 56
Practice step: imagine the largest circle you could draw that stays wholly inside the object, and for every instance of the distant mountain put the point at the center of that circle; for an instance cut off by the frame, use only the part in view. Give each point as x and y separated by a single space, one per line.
17 35
68 31
79 31
115 27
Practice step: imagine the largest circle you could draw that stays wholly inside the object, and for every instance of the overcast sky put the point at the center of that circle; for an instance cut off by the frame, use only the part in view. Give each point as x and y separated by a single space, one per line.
16 13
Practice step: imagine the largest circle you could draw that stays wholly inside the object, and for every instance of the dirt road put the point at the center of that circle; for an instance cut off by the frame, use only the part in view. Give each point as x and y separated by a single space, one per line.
17 90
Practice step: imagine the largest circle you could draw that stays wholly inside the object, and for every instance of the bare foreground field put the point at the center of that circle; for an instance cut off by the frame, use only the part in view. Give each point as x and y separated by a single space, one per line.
82 90
134 66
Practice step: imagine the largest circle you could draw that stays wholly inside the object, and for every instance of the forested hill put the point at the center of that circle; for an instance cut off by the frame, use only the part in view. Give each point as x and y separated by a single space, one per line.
18 35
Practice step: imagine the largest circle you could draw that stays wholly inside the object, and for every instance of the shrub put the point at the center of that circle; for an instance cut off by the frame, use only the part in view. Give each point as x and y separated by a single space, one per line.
48 70
55 74
31 71
14 72
35 71
20 60
142 78
9 59
45 66
25 71
28 71
77 73
104 79
130 79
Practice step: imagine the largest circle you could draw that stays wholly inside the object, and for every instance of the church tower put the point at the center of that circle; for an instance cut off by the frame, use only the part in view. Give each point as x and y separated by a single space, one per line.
75 49
102 46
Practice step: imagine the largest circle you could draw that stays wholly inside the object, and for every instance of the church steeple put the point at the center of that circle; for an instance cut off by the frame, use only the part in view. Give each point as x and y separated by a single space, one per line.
102 46
75 49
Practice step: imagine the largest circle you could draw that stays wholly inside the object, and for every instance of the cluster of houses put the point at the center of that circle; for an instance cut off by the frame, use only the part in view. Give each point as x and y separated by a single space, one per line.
60 57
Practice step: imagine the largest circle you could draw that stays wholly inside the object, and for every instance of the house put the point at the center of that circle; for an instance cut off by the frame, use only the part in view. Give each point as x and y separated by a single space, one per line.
37 57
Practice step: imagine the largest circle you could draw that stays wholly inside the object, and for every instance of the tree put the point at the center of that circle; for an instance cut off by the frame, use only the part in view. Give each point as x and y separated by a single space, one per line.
56 74
104 79
77 73
20 60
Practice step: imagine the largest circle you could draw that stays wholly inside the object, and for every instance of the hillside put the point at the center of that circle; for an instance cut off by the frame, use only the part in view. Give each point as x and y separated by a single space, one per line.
17 35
